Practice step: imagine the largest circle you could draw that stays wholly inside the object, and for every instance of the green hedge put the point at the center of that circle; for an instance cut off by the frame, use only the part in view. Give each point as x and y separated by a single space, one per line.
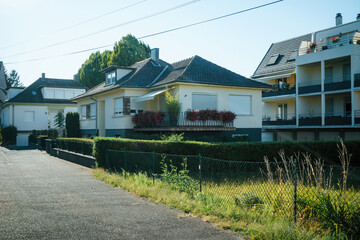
9 134
72 125
252 152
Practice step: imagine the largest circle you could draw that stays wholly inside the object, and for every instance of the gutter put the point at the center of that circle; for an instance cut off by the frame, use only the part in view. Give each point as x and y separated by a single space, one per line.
96 115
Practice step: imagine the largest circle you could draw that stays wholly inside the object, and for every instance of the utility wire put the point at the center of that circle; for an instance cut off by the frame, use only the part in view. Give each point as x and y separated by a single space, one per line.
154 34
75 25
106 29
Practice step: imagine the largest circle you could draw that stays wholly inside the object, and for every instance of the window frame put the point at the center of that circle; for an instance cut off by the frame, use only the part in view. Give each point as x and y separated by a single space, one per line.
119 113
113 78
250 107
204 94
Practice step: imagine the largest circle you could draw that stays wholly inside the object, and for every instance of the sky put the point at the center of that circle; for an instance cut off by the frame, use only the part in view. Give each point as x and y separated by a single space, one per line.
35 29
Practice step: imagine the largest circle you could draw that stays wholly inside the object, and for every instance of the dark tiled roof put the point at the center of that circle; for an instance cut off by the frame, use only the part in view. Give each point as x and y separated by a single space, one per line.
284 49
146 74
32 94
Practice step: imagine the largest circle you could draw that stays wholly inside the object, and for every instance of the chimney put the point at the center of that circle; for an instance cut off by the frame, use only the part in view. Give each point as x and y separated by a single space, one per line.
338 19
155 55
358 17
43 75
76 78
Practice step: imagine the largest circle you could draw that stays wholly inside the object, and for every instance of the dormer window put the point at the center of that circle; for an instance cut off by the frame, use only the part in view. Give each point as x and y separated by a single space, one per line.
110 78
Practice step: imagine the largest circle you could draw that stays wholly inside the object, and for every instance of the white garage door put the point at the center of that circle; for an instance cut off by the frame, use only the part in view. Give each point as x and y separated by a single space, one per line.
22 139
267 137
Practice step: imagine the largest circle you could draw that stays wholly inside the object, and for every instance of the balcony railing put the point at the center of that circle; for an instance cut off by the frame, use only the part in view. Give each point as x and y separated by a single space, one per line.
357 80
280 89
332 84
344 40
310 87
310 119
184 123
340 118
357 116
279 119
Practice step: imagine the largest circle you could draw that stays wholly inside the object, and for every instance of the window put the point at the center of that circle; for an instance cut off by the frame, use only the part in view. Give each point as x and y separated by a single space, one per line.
69 94
273 59
329 106
88 111
292 55
29 116
240 105
118 106
59 94
204 101
329 74
110 78
282 111
346 72
49 93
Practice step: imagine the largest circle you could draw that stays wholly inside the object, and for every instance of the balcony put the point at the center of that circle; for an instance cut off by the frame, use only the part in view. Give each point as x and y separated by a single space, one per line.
187 121
344 40
279 120
337 84
310 120
310 87
334 119
285 89
357 116
357 80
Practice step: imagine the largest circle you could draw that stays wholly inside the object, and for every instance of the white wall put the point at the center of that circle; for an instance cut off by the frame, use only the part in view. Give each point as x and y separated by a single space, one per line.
40 121
309 105
6 116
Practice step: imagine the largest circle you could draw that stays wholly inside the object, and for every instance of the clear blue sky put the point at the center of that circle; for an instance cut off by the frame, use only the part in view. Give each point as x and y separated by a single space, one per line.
237 43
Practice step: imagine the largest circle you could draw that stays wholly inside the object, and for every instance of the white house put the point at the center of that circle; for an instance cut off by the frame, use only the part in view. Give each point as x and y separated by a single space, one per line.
316 85
108 108
34 107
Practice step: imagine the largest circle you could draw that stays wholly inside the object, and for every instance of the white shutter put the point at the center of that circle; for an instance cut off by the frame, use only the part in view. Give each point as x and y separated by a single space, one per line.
204 101
240 105
92 111
69 94
118 106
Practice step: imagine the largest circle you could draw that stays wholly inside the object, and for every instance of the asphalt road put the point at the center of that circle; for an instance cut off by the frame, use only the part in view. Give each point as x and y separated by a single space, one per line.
43 197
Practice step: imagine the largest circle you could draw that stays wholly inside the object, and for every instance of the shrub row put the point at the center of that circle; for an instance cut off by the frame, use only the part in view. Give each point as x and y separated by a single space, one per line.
78 145
241 151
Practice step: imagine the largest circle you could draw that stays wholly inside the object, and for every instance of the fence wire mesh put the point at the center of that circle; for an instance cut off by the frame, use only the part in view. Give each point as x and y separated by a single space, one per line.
292 188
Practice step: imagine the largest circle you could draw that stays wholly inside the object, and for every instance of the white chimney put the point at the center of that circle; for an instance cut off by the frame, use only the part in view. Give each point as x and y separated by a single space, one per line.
76 78
338 19
155 55
358 17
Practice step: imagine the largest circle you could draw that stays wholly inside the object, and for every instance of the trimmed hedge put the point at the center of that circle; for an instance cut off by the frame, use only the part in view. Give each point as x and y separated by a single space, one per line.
250 152
9 134
78 145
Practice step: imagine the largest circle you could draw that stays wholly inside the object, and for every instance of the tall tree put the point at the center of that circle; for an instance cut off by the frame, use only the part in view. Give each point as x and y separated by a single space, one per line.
126 52
13 79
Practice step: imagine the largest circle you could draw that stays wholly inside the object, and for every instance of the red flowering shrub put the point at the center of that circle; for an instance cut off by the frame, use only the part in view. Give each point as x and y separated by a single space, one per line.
148 119
205 115
227 116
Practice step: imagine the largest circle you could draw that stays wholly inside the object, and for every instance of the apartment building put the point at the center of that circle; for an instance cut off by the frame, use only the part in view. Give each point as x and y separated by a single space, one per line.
315 82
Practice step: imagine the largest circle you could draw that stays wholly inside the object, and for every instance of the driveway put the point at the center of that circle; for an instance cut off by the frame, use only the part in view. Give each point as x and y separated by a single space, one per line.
43 197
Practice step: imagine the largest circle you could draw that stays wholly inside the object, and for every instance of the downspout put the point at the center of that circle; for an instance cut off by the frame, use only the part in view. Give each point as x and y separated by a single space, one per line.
96 115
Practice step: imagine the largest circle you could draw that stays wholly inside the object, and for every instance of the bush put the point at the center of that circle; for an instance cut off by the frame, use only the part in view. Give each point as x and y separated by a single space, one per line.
238 151
73 125
78 145
9 135
148 119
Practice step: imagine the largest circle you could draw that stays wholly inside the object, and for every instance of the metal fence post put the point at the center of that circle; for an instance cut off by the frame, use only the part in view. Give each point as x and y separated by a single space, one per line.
295 188
107 159
153 167
200 177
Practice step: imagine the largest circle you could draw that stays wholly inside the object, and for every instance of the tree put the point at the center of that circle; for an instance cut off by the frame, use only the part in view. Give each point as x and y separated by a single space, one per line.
126 52
59 120
73 124
13 79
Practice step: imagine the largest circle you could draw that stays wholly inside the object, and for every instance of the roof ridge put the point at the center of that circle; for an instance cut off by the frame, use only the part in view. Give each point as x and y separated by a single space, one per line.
136 72
187 66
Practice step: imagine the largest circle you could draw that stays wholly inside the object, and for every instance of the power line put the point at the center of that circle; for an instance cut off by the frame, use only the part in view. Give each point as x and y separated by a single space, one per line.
154 34
106 29
76 24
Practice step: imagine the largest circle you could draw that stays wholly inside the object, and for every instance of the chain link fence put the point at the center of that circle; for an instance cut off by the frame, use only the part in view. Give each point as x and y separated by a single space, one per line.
290 187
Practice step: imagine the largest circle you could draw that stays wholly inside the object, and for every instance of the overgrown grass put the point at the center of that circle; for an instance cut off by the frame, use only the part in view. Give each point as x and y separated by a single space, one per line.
254 221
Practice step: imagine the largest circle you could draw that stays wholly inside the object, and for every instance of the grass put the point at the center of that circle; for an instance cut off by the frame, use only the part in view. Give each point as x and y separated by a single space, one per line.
252 221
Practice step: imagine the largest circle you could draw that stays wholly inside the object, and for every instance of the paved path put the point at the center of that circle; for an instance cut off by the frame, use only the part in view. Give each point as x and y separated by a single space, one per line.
43 197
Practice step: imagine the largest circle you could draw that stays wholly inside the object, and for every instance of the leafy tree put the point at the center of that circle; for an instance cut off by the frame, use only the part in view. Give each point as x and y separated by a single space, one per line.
59 120
72 124
13 79
125 53
128 51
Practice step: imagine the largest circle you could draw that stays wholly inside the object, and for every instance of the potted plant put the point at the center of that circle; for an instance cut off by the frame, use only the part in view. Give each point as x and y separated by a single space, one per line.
335 39
173 107
312 45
